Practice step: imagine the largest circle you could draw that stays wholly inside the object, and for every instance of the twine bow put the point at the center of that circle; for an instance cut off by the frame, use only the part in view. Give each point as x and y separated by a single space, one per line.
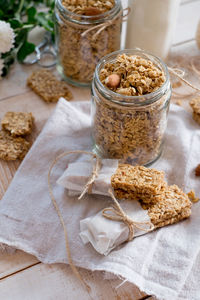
117 214
103 26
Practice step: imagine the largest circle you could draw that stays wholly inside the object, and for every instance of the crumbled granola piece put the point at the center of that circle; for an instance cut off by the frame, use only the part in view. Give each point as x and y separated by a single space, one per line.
18 123
178 102
138 183
171 208
195 104
197 170
176 84
192 196
45 84
12 148
196 117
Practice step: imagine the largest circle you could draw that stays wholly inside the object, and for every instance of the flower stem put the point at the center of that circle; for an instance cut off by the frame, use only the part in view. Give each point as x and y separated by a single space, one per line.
19 9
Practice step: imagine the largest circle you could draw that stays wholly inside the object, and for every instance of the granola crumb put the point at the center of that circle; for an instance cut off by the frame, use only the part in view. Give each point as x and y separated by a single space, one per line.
18 123
178 102
45 84
176 84
192 196
197 170
195 105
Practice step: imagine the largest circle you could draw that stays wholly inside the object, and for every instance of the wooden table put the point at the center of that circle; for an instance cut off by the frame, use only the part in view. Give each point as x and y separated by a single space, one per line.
22 276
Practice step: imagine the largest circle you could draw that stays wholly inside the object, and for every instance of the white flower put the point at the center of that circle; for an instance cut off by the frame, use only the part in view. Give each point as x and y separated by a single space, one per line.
1 67
7 37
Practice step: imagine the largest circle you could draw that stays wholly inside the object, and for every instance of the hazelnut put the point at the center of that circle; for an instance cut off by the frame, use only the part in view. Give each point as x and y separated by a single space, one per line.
92 11
197 170
113 81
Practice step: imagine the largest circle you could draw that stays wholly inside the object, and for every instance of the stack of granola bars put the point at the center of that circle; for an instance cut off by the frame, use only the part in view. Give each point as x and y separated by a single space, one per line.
165 204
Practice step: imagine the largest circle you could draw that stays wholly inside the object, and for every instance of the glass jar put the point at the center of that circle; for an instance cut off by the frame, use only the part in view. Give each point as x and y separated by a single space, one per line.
129 128
81 41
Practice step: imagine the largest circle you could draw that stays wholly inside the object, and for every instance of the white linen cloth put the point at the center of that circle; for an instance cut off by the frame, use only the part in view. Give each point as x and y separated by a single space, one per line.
164 263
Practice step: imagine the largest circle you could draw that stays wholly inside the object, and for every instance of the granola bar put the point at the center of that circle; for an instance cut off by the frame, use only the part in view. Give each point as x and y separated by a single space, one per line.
138 183
195 104
171 208
12 148
18 123
46 85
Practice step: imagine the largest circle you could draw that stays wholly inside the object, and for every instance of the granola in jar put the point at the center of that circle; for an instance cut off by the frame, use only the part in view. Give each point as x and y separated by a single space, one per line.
131 93
85 32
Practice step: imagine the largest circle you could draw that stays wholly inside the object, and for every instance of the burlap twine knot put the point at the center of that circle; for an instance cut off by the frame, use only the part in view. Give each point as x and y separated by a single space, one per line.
118 214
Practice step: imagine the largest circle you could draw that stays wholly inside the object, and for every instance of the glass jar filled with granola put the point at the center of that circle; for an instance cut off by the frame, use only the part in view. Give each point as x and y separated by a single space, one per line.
86 30
131 93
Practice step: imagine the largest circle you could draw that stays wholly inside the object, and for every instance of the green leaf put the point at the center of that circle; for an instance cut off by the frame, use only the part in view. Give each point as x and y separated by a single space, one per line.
21 37
26 49
43 21
15 23
1 14
31 12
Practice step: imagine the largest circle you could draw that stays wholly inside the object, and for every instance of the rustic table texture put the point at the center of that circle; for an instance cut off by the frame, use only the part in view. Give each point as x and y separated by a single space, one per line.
22 276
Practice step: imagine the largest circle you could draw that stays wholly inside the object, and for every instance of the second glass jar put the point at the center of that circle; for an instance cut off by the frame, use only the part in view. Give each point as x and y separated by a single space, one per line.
81 41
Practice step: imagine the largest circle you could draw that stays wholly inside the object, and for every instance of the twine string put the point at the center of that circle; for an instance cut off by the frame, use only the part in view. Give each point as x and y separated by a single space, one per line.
88 187
90 182
179 73
193 65
117 214
103 26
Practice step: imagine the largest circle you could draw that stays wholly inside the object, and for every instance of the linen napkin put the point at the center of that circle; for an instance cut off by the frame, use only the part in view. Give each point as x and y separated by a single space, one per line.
161 263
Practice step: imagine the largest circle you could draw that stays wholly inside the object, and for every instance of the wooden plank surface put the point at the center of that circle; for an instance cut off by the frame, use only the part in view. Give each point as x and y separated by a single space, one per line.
57 282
